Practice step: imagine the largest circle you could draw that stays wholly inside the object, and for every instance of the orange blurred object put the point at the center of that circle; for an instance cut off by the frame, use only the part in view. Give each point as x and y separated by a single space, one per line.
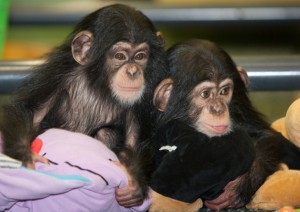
24 50
287 209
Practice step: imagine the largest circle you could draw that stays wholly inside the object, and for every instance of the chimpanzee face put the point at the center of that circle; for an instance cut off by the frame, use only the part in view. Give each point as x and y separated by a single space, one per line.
126 63
209 107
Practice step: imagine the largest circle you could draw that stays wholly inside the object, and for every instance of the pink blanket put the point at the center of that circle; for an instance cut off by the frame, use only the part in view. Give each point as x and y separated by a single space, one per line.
80 177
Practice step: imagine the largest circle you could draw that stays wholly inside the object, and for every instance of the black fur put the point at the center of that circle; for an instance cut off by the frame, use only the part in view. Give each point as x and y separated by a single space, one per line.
77 97
194 61
201 166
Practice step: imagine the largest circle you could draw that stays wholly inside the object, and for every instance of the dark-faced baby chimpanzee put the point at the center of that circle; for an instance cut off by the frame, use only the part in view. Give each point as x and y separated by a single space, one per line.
94 84
219 148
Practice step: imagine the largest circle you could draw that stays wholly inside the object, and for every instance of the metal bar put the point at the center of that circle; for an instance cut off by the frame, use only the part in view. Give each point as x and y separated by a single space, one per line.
13 72
266 73
222 14
270 73
53 14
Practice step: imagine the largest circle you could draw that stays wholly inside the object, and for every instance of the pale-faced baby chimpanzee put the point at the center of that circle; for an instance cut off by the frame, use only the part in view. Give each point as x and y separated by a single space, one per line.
205 114
94 84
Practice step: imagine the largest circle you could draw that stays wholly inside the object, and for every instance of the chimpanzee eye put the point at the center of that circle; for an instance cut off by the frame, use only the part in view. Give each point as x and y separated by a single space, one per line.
140 56
120 56
225 90
205 94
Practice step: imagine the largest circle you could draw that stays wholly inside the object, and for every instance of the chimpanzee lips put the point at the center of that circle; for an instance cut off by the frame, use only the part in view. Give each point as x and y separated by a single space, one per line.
129 94
217 129
220 129
130 88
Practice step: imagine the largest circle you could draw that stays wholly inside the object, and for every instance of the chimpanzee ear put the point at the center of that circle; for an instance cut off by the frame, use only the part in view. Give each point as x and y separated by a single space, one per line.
81 45
162 94
244 75
161 38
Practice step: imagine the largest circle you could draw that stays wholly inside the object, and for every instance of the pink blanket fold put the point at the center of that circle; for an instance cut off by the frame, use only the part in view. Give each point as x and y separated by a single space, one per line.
80 177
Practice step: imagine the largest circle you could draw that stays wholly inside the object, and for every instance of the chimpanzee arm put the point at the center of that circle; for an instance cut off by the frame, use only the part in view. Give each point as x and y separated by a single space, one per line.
239 192
17 133
134 160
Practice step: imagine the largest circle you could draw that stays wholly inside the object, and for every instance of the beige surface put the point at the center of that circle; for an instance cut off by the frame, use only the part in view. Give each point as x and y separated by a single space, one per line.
229 2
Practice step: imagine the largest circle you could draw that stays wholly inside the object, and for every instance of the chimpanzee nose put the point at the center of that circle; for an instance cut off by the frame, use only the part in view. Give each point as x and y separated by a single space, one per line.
217 107
132 71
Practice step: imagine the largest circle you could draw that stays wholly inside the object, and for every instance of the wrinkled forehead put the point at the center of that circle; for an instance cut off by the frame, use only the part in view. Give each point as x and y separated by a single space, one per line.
123 45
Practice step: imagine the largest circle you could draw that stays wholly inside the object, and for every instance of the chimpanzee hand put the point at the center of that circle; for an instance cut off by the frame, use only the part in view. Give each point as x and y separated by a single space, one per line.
36 158
228 199
131 195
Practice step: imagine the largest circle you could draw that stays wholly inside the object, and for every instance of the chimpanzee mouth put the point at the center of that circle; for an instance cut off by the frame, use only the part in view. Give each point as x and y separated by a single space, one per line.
130 88
129 95
216 129
220 129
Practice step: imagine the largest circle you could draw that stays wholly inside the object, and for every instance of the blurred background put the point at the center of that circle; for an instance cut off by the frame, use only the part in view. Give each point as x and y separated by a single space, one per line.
258 30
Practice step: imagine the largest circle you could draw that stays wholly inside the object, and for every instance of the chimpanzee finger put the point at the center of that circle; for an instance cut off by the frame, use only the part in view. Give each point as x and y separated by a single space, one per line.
126 198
